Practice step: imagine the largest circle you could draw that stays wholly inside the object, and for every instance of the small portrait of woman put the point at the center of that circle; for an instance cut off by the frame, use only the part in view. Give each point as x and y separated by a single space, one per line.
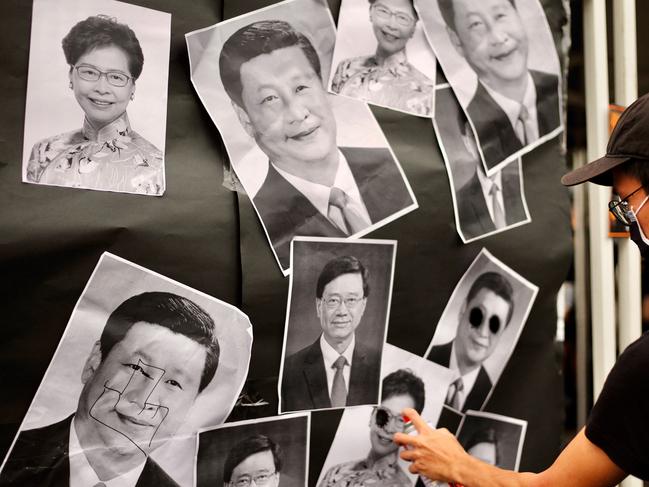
401 389
105 61
386 77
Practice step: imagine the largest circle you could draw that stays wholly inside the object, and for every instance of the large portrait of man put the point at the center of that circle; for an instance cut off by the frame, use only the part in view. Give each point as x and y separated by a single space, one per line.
313 164
500 59
142 364
483 205
479 328
271 452
336 323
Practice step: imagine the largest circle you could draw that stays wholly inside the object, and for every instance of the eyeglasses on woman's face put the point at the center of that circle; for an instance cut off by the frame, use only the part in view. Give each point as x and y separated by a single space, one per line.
91 73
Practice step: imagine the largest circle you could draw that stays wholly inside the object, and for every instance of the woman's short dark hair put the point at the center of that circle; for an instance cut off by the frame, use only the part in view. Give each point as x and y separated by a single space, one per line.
372 2
102 31
249 446
403 382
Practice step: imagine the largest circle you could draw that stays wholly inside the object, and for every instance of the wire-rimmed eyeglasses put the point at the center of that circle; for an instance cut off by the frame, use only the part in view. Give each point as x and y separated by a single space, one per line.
619 207
90 73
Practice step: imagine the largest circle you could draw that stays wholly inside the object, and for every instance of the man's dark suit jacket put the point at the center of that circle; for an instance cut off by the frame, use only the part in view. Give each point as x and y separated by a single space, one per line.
286 213
304 383
40 459
441 354
497 137
472 207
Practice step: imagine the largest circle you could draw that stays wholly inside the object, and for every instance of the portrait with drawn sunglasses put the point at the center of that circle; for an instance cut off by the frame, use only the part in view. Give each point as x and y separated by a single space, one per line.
479 329
105 60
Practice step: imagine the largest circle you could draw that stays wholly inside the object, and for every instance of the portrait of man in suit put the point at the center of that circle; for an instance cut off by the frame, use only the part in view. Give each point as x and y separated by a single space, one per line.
484 314
257 459
513 105
157 352
336 370
273 77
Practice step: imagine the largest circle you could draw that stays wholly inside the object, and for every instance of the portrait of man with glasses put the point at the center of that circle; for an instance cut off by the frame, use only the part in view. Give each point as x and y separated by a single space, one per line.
479 329
255 459
386 77
336 368
401 389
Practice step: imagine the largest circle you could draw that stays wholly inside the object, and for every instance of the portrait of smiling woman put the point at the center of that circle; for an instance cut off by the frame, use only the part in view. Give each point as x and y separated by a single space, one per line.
105 60
386 77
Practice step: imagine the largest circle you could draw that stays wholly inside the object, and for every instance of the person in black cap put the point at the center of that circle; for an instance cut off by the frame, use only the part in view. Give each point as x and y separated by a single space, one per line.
613 443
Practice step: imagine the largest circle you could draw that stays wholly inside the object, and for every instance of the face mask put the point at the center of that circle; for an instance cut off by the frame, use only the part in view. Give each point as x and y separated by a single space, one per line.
637 235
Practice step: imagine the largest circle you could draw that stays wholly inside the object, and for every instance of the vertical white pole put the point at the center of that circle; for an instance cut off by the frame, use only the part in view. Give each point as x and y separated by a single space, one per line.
601 247
626 91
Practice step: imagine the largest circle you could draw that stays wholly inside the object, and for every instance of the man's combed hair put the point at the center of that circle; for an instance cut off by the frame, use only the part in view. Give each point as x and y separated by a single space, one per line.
249 446
447 9
347 264
498 284
176 313
254 40
103 31
403 382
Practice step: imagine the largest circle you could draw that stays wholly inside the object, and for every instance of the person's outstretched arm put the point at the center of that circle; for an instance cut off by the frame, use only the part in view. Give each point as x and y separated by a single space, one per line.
438 455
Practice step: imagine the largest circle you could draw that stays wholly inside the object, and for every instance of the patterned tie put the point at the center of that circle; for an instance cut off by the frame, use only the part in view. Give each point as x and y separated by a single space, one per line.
499 214
521 125
353 221
339 390
453 395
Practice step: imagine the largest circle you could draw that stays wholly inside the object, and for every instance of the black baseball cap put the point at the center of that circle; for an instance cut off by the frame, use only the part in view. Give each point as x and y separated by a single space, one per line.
629 140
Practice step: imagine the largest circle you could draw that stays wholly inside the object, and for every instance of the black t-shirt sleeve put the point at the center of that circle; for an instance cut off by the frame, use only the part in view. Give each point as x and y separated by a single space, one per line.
619 421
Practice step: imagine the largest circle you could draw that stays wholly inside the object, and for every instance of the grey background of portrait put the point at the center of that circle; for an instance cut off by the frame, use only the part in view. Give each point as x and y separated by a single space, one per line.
290 433
51 108
209 238
112 282
309 257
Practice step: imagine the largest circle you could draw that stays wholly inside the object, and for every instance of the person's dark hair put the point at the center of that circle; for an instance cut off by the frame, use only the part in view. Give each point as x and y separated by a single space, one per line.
638 169
249 446
347 264
496 283
447 9
177 314
414 10
102 31
404 382
253 40
486 435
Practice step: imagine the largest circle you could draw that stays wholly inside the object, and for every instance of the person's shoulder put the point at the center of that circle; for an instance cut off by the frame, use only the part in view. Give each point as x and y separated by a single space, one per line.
544 80
424 83
367 156
339 473
356 63
149 152
311 350
154 475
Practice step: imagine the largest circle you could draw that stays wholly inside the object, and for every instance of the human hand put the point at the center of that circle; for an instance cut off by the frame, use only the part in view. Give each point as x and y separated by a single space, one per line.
433 453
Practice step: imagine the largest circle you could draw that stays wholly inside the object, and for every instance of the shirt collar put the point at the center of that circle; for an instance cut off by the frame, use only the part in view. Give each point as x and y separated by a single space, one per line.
330 355
511 107
83 475
318 194
468 379
114 129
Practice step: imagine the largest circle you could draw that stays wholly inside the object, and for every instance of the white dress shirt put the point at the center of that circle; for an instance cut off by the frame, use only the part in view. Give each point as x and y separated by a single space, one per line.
318 194
82 473
468 380
486 183
513 108
330 355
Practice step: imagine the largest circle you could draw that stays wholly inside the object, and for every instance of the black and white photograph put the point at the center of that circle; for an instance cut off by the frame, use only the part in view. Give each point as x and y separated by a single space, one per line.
382 56
271 452
336 323
96 109
313 164
500 59
143 363
362 452
479 329
436 378
483 205
494 439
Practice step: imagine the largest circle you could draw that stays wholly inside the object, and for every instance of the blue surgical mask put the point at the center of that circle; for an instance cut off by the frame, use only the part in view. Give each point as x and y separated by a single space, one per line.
637 235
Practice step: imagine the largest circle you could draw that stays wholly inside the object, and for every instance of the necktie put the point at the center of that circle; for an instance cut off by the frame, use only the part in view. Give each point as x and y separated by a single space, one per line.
521 125
499 214
353 222
453 395
339 390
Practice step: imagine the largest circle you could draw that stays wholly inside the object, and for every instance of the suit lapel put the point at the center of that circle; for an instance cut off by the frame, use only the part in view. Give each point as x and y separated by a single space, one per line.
479 392
316 377
358 377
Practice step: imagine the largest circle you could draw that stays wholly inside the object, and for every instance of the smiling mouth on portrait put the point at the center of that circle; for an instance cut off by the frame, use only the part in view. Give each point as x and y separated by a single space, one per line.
505 55
133 421
389 36
100 103
304 135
